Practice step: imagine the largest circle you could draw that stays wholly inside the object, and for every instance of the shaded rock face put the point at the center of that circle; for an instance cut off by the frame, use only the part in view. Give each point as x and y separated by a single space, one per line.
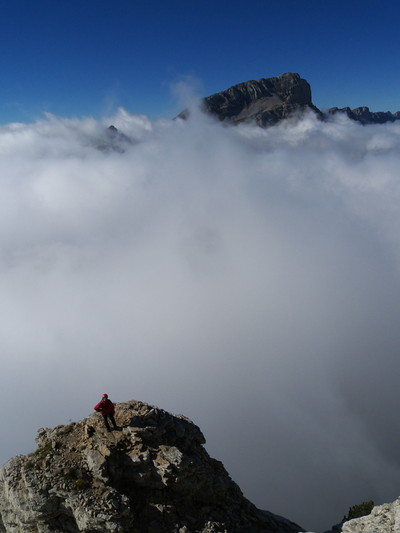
151 476
265 101
365 116
383 519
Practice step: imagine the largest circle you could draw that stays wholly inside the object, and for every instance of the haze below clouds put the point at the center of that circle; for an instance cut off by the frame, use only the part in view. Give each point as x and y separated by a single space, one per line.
246 278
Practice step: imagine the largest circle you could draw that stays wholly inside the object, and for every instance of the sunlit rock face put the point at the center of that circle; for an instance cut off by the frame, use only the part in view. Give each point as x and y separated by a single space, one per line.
383 519
152 475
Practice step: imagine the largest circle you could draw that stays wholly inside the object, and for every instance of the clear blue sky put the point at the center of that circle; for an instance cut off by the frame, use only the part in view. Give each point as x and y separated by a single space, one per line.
88 57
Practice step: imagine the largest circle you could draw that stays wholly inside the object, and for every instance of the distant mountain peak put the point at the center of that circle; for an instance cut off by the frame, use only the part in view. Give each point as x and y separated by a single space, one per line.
365 116
267 101
264 101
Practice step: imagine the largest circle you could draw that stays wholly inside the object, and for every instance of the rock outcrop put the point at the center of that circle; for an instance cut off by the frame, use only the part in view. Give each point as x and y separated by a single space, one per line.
113 140
265 101
269 100
151 476
365 116
383 519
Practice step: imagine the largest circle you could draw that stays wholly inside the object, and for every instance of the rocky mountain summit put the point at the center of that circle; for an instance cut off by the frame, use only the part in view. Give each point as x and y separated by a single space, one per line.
267 101
153 475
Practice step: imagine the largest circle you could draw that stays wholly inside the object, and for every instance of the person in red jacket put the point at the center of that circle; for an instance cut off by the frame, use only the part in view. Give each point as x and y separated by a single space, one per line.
107 409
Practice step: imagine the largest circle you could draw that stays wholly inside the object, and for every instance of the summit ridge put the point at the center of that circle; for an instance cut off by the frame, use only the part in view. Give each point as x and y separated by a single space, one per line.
268 101
153 475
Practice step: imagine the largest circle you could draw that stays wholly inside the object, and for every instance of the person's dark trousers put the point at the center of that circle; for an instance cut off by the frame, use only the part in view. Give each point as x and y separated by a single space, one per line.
111 417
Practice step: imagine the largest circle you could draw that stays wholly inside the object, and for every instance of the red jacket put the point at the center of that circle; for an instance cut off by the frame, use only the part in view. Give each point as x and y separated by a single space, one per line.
105 407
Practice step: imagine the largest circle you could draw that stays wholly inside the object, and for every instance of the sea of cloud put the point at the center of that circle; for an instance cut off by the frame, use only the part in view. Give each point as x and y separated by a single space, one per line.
247 278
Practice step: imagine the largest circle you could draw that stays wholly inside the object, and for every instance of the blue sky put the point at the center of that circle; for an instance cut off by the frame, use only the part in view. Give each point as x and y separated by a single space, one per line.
88 57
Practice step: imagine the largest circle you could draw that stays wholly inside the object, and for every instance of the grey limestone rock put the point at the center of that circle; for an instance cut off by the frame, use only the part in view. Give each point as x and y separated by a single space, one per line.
383 519
268 101
153 475
265 101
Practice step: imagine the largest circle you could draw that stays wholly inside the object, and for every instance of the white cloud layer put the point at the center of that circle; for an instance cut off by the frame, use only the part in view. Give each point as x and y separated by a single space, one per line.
247 278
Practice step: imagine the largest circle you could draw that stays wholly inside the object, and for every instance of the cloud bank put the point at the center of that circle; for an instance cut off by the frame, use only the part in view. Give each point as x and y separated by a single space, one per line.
247 278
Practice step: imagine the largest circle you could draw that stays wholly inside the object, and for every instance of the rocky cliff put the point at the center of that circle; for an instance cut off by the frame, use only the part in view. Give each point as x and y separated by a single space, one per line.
264 101
153 475
269 100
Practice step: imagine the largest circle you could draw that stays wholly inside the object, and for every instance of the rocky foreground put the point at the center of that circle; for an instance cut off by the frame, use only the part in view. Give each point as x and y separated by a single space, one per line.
151 476
383 519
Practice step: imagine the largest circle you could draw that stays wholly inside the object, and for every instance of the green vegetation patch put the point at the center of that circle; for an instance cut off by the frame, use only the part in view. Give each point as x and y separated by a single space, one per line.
361 509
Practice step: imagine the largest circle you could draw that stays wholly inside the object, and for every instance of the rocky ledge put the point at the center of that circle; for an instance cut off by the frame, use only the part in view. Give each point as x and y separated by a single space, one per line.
153 475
